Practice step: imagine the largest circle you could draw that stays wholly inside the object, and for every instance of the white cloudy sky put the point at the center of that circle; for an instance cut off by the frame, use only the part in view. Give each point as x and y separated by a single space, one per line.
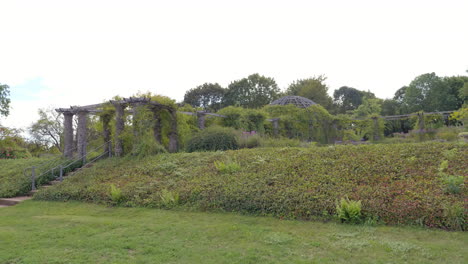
61 53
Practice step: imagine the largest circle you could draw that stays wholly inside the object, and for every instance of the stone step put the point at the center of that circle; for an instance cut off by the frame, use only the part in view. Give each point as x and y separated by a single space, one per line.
14 200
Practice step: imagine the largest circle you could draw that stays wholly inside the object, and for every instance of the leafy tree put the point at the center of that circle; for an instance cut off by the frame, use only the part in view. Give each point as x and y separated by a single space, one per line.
314 89
48 129
4 100
430 93
348 98
254 91
208 96
390 107
369 107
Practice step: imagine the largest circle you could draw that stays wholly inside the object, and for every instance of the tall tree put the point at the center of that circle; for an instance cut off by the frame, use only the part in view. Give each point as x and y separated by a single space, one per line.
4 100
254 91
348 98
48 129
314 89
369 107
208 96
429 92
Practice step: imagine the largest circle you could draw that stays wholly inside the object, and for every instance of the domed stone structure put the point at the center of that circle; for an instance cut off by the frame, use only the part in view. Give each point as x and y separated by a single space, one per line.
298 101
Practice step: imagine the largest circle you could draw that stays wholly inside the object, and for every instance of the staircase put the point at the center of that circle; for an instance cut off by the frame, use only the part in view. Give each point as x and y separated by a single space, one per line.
85 160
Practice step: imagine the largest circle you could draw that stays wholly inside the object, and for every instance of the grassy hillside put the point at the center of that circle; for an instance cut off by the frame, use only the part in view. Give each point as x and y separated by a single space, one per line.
12 180
48 232
397 184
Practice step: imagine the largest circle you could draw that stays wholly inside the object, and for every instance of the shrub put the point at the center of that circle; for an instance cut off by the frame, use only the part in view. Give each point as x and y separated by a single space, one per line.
228 167
443 166
212 139
455 217
249 140
349 211
169 199
116 194
453 184
14 153
148 147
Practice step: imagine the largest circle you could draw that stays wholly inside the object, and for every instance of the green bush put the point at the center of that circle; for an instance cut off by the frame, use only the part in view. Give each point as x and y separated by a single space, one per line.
148 147
169 199
349 211
249 141
116 194
14 153
212 139
455 217
453 184
227 167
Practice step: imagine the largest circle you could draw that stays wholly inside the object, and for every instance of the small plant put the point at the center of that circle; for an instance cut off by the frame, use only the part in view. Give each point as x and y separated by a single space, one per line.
116 194
455 217
453 184
443 166
228 167
349 211
169 199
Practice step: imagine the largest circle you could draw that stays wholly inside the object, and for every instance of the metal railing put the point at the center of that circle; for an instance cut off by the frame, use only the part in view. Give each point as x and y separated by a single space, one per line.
68 165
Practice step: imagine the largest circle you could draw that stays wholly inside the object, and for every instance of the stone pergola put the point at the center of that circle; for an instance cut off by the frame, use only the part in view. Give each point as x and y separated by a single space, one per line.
131 106
120 107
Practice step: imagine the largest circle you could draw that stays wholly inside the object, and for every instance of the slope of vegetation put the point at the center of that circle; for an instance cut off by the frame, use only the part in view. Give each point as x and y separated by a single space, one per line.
396 184
48 232
15 174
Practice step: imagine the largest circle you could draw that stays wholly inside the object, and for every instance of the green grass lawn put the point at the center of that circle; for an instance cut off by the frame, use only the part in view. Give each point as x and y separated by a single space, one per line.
57 232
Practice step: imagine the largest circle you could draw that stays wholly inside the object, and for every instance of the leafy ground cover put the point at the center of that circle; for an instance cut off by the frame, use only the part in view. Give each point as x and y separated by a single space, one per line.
396 184
12 180
52 232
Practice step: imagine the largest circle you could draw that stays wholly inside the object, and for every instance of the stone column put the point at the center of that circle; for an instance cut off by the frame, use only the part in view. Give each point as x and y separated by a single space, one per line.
173 145
376 135
136 125
275 124
82 140
68 135
119 127
157 126
106 132
201 120
421 121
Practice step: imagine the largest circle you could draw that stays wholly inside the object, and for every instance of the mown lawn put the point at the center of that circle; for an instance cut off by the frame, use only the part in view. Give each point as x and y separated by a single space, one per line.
57 232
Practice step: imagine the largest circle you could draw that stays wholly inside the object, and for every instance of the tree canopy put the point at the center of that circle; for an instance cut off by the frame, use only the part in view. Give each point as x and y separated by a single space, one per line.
314 89
254 91
207 95
4 100
429 92
348 98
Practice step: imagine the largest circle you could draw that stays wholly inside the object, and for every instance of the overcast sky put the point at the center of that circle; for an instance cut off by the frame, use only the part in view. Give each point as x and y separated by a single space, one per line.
61 53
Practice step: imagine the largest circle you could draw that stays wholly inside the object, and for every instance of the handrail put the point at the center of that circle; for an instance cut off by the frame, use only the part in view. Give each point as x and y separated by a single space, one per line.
80 158
44 164
68 164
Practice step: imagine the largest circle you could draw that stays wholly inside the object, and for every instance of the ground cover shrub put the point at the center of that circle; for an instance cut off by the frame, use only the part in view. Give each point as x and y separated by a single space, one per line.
453 184
349 211
396 183
116 194
227 167
14 180
212 139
